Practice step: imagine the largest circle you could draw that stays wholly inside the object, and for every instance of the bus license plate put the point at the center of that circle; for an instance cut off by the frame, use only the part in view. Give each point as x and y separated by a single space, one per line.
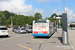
40 32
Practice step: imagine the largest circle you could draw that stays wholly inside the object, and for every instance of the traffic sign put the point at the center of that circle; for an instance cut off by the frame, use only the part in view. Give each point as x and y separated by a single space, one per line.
26 24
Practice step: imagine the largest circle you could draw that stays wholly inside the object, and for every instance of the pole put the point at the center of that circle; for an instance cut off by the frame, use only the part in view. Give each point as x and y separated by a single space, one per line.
55 23
59 6
59 13
64 6
59 23
64 28
11 21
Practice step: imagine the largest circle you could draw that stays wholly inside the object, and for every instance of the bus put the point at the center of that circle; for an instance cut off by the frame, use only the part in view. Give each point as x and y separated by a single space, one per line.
72 25
42 28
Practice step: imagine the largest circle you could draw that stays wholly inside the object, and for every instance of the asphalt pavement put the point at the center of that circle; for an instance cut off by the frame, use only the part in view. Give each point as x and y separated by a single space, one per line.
17 41
26 41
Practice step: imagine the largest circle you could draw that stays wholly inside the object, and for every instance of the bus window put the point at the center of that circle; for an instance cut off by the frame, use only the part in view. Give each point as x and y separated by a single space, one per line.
40 22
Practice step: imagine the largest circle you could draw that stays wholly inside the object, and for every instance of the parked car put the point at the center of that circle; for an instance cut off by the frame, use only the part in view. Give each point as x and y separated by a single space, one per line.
4 31
20 30
28 29
14 28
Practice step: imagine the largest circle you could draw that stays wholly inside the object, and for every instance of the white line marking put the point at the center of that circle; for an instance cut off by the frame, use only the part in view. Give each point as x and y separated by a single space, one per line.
71 45
44 44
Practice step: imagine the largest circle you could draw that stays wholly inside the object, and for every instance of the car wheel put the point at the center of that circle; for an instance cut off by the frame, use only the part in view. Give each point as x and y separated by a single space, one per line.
12 31
19 32
25 32
6 36
15 32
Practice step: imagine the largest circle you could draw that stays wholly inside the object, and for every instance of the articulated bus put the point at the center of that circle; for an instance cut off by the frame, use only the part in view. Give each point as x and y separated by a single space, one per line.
42 28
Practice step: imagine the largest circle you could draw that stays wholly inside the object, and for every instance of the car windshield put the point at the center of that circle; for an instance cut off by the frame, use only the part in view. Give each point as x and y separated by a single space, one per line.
26 27
15 27
30 27
18 28
3 28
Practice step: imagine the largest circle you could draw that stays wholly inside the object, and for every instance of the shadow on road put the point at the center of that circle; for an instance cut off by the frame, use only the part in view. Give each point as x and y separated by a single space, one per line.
5 37
43 37
60 38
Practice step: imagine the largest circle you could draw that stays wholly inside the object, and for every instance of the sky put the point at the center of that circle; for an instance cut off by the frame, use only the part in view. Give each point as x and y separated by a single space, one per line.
45 7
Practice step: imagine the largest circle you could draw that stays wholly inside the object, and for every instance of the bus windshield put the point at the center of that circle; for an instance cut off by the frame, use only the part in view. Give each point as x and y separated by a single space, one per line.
40 22
40 26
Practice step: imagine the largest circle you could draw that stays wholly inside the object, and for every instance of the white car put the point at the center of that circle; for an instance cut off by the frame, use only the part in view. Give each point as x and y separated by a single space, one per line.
4 31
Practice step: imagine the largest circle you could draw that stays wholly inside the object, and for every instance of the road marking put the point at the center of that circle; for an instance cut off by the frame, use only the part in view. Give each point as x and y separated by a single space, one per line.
30 43
24 47
44 44
71 45
37 40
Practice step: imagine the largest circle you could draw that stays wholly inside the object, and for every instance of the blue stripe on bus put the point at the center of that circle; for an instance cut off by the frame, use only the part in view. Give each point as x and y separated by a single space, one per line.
41 34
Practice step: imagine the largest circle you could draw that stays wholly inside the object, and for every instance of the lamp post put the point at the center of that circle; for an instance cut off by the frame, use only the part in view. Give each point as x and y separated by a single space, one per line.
11 21
64 6
64 27
59 6
59 14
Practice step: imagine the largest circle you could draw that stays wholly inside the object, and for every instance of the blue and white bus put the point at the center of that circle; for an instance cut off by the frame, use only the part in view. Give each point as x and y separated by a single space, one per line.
42 28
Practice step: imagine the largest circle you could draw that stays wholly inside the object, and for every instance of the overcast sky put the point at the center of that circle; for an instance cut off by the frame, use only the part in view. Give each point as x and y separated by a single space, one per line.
45 7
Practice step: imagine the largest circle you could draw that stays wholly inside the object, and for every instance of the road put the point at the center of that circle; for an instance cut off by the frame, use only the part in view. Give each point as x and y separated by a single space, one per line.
17 41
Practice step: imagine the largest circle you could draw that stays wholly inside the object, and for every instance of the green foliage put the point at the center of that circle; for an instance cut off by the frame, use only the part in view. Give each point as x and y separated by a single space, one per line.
37 16
53 20
6 14
5 18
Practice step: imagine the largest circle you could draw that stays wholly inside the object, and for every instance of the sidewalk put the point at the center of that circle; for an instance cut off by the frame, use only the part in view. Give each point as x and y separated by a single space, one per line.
71 34
71 37
54 43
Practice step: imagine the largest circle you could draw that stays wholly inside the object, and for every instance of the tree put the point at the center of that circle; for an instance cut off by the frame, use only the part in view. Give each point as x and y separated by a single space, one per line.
0 20
51 18
31 18
3 20
37 16
8 22
46 18
7 14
